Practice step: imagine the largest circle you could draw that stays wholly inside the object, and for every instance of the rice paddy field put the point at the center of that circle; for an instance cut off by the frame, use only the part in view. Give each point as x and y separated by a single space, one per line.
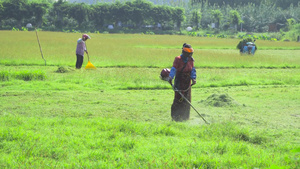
118 115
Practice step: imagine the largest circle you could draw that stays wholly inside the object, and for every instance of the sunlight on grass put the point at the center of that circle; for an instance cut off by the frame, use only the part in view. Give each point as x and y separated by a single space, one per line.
118 115
140 50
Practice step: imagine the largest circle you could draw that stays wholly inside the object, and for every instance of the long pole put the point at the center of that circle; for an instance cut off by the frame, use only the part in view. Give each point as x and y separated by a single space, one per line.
189 103
40 45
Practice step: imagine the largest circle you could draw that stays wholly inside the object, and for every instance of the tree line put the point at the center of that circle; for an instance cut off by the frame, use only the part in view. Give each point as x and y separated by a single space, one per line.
278 3
250 16
219 15
62 15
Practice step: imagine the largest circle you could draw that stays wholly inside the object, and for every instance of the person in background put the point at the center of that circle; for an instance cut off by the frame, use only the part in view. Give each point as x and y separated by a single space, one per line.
80 49
247 46
241 45
250 48
184 72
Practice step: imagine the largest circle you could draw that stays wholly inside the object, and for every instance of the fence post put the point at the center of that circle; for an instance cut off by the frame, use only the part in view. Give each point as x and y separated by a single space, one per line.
298 39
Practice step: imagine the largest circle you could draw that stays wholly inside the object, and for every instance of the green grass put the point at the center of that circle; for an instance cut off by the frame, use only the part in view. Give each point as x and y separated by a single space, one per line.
118 116
23 75
123 50
128 129
141 78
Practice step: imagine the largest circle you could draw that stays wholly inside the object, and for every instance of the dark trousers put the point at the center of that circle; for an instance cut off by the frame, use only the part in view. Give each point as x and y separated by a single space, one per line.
180 109
79 61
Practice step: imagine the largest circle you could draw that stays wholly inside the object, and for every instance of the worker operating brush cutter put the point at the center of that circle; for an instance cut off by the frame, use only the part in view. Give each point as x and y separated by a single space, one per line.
185 76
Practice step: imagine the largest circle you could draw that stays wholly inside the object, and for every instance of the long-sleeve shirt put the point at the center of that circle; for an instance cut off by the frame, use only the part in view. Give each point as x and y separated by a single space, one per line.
80 47
178 64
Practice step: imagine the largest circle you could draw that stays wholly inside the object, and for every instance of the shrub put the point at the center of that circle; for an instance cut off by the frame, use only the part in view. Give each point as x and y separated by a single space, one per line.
150 33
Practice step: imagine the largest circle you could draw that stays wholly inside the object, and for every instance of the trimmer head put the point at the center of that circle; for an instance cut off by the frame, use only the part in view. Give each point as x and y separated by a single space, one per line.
164 74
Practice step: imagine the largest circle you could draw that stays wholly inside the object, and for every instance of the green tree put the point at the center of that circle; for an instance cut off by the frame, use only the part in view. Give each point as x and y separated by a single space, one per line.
16 9
178 17
284 4
124 14
58 12
257 18
196 19
1 11
38 10
217 17
290 23
235 18
226 2
116 12
80 12
166 15
121 12
157 14
100 14
140 12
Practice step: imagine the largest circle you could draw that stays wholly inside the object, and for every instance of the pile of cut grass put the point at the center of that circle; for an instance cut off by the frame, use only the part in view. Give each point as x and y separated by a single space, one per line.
220 100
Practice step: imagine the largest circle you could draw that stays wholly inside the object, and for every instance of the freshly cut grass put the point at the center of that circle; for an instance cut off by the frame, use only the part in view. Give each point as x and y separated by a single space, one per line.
118 116
129 129
272 107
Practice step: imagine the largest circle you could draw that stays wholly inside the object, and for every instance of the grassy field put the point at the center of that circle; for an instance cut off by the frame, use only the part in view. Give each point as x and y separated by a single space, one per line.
118 116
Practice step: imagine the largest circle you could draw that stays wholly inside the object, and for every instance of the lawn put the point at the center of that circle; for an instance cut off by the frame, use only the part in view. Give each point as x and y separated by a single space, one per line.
118 116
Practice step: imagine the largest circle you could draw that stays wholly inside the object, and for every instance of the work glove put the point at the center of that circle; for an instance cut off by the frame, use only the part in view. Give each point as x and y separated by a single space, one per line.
193 82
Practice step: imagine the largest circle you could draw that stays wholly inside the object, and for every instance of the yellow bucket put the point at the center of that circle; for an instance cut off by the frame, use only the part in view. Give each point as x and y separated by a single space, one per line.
90 66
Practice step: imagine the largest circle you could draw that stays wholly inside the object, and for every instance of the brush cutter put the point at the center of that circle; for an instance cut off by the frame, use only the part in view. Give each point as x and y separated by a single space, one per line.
179 91
89 64
164 75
